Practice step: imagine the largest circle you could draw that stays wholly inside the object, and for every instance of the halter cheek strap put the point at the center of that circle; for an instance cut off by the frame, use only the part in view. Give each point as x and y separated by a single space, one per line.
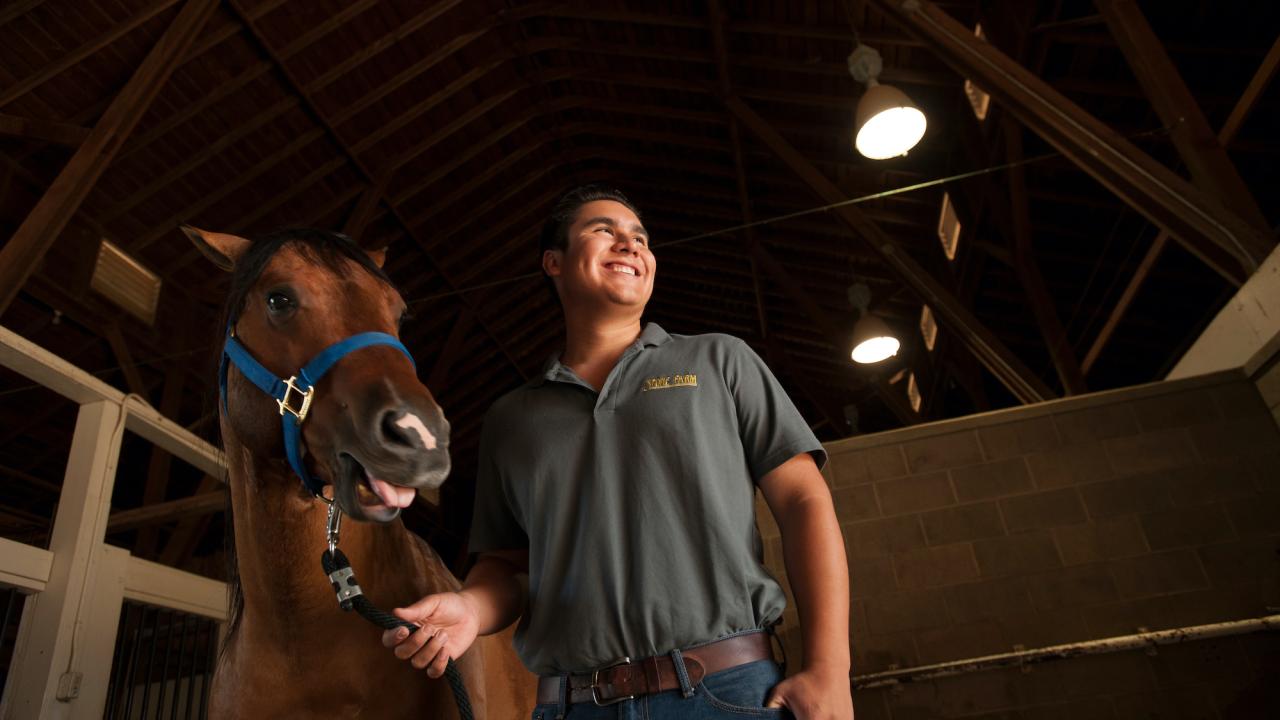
294 395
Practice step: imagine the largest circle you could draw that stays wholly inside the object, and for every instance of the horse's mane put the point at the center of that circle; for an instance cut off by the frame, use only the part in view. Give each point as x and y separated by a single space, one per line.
322 247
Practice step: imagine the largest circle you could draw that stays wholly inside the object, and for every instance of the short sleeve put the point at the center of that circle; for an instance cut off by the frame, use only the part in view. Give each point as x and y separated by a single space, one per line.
771 428
494 523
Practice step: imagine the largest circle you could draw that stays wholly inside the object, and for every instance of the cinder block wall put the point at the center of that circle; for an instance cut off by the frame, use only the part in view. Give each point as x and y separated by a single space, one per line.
1150 507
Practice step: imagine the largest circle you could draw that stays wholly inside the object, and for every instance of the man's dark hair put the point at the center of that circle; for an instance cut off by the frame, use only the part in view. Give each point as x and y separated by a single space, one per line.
555 231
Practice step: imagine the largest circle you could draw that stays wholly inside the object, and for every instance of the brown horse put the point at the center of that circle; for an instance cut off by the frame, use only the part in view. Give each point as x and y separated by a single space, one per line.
373 434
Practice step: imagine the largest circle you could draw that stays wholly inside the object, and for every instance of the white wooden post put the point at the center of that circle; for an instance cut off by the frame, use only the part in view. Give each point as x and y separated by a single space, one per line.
53 649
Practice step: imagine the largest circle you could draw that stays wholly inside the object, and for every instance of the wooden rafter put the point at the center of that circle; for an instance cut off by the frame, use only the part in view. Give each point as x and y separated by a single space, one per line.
1228 244
978 339
1243 106
370 177
54 132
19 257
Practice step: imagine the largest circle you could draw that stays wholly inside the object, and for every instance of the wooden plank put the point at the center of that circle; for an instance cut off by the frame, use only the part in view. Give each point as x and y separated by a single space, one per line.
149 515
1011 371
1261 78
55 132
160 464
155 584
1224 241
23 566
75 56
452 345
1024 262
19 257
17 8
1198 146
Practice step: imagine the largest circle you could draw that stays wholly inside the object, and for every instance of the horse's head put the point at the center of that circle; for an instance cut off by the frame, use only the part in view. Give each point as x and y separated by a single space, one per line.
373 432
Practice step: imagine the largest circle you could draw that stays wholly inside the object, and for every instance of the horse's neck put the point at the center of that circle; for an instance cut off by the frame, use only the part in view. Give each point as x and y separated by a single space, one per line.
280 534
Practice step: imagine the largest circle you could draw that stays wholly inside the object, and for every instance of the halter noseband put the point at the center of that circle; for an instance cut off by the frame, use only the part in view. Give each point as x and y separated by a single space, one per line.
294 395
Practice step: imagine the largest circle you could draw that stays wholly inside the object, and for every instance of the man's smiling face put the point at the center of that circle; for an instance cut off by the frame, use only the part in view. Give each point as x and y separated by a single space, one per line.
607 259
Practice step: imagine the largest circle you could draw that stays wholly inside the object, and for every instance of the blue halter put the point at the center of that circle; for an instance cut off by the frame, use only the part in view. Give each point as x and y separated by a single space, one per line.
297 389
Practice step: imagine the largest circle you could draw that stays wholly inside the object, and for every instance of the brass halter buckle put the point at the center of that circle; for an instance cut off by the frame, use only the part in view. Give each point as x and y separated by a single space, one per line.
291 389
595 684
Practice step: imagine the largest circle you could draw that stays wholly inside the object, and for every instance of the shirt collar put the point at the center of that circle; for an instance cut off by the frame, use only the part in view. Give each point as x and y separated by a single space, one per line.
651 336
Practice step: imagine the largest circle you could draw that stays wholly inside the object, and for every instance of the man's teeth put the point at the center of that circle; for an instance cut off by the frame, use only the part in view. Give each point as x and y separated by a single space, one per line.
624 269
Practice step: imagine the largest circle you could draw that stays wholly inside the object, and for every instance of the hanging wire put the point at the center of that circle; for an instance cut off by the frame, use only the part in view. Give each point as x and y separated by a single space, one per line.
679 241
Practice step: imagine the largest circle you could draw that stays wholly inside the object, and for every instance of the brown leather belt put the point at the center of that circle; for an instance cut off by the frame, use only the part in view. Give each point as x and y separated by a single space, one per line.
626 679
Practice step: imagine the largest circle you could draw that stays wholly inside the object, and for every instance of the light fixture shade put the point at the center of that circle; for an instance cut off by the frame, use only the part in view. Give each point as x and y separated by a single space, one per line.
888 123
873 340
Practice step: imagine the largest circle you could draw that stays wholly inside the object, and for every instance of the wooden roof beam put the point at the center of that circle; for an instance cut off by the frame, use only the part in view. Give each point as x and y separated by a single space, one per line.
1252 92
21 255
1228 244
1011 371
1198 146
1024 263
55 132
370 177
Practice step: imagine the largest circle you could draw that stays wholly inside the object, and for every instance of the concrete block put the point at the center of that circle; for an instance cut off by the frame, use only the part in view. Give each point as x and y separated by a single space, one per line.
915 493
1214 480
857 502
1245 399
1158 574
1126 496
1043 628
1249 436
877 652
1004 693
963 522
1194 702
1253 517
943 451
1151 451
988 600
991 480
1016 554
960 641
1096 423
1043 510
1174 410
848 468
1200 661
1242 562
1080 585
1070 465
906 611
873 537
1163 612
934 566
1023 437
1187 526
1112 538
871 575
1105 674
885 462
870 704
765 522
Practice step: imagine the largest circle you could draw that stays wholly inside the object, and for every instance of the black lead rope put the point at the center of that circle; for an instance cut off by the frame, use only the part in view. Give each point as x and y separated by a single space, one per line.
351 597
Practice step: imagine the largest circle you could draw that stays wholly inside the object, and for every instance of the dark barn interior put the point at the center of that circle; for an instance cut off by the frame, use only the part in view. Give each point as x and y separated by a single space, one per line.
444 130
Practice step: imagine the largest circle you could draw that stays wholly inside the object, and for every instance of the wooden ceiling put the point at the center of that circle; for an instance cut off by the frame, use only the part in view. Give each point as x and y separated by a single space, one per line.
445 129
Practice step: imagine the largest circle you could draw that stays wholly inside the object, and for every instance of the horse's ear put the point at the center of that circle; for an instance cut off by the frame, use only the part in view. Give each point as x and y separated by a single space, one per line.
222 249
378 256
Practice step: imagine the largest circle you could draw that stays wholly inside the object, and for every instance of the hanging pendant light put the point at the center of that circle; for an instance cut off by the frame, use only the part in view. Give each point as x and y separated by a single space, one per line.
888 124
873 339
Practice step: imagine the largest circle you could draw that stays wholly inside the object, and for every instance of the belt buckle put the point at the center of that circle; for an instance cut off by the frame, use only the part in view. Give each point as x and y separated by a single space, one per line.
595 683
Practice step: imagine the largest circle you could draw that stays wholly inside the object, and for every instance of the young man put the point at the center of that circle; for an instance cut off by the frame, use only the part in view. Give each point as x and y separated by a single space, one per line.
622 481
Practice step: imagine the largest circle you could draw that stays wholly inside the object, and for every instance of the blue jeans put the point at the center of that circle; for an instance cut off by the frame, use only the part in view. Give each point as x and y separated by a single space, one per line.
739 692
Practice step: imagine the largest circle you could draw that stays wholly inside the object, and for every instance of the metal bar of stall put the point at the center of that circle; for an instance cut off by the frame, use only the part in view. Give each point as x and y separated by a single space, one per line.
1143 640
164 666
182 656
133 662
151 661
119 668
211 657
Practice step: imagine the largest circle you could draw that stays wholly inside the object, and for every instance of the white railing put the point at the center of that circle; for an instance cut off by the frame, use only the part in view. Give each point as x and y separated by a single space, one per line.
62 657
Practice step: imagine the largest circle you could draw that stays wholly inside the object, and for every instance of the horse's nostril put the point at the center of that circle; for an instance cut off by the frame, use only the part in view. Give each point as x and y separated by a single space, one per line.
395 432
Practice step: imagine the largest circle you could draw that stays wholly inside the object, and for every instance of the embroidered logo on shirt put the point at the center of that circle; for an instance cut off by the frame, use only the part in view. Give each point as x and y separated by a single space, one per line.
670 381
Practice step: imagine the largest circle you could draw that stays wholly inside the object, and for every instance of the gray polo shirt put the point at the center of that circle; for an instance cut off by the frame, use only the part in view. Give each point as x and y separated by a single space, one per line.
637 503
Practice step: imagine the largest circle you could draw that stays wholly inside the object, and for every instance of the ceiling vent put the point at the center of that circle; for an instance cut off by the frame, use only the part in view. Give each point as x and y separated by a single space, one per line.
125 282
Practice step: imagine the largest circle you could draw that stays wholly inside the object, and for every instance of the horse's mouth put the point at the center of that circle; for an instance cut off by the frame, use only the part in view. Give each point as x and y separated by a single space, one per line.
372 492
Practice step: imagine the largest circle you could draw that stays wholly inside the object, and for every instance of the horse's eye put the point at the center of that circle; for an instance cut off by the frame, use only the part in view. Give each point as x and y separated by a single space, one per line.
279 303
